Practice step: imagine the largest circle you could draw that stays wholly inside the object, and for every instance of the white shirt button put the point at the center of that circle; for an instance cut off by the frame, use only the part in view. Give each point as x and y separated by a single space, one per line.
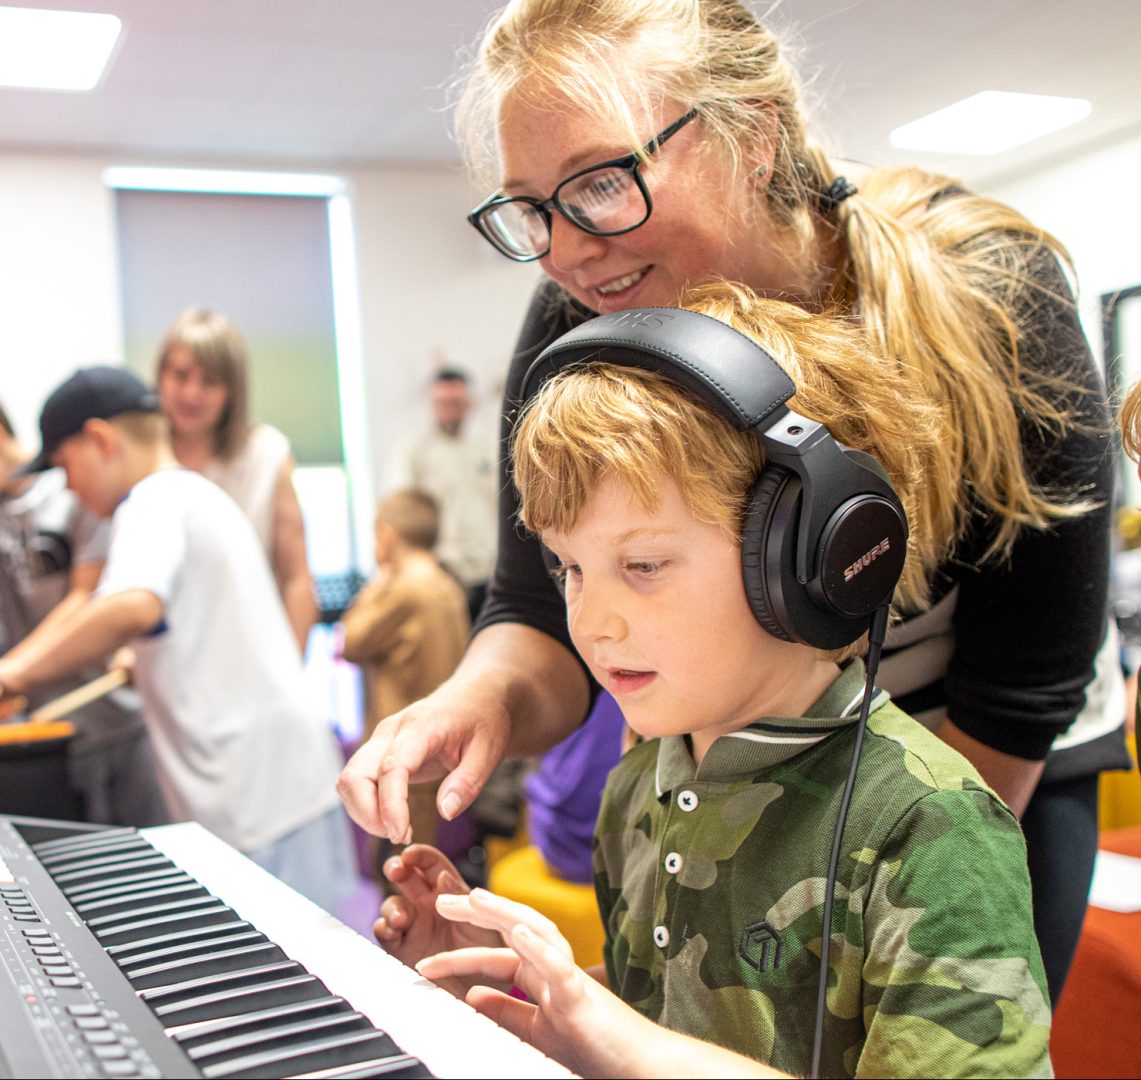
687 800
661 937
673 862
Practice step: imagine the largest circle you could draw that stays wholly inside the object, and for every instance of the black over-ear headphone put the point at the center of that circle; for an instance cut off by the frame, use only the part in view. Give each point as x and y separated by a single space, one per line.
825 535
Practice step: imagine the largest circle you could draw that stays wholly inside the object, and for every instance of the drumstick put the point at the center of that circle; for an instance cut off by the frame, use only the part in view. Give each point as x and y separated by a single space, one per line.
77 698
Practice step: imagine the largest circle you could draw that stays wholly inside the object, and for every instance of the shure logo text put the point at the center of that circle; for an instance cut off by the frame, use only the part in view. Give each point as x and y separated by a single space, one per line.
867 559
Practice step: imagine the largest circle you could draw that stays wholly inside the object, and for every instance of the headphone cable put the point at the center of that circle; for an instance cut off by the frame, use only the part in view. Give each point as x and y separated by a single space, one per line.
875 645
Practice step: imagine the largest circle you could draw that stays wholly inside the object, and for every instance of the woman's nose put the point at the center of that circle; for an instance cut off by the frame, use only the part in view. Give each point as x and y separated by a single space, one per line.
570 246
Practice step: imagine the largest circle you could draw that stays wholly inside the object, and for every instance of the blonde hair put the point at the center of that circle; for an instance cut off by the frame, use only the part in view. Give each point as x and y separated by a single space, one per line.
600 422
415 516
145 428
1130 418
942 281
220 350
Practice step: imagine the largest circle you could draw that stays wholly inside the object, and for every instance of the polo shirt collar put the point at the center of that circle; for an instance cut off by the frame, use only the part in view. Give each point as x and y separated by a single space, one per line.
770 740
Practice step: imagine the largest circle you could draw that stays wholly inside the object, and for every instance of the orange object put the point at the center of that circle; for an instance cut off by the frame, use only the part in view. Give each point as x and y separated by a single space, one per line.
1097 1024
35 731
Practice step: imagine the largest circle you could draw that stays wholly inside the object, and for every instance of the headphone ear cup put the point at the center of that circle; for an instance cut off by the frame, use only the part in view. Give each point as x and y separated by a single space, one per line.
774 496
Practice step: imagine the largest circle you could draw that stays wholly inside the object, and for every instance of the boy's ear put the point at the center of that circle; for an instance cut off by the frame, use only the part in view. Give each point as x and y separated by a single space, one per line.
102 435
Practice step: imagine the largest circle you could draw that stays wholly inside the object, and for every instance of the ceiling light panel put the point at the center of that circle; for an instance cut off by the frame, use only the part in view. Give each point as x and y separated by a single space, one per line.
55 50
989 123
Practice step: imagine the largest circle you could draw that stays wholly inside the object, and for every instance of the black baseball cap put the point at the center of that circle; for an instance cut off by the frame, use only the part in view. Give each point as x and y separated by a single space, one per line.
92 393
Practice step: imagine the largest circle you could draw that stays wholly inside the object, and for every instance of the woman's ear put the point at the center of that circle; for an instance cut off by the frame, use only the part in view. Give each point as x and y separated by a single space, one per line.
761 152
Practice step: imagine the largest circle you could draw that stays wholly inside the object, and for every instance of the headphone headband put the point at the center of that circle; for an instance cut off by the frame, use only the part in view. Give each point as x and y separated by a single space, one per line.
719 364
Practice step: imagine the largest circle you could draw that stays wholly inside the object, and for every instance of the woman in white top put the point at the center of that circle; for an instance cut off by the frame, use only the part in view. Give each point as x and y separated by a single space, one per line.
202 384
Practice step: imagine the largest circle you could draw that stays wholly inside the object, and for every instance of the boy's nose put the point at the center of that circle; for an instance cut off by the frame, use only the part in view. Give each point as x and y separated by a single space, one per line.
596 618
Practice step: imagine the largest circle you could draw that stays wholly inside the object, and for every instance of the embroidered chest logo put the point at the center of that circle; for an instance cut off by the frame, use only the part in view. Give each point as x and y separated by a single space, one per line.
760 946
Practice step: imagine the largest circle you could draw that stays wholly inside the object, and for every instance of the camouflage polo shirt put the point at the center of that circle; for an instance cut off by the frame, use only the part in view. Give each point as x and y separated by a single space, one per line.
711 884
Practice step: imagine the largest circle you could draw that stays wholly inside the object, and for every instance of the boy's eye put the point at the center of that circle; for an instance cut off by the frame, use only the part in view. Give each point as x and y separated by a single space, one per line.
645 567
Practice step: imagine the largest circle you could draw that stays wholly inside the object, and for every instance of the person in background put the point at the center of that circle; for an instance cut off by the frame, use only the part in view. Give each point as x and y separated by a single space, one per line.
715 833
635 148
459 473
51 555
238 746
407 628
203 384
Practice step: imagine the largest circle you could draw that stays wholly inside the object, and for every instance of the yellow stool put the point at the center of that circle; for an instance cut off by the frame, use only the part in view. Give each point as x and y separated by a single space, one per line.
1119 796
523 875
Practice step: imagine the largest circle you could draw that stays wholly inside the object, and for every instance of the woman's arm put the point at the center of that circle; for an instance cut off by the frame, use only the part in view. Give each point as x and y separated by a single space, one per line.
289 559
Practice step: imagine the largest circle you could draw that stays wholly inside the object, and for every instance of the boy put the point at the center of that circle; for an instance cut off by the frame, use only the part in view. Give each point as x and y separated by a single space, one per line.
51 556
408 626
712 846
187 584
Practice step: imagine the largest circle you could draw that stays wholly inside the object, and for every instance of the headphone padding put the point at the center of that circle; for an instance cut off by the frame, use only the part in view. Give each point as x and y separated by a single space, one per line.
756 532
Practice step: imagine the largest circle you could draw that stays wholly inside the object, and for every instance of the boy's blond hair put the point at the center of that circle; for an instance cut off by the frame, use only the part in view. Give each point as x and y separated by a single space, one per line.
601 421
1131 422
415 516
145 428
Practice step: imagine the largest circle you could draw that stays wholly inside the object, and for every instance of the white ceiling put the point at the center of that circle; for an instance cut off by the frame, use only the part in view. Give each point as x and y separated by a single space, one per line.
330 83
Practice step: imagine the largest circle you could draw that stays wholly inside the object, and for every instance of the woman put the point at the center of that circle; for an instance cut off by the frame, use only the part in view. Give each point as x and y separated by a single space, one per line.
645 145
202 385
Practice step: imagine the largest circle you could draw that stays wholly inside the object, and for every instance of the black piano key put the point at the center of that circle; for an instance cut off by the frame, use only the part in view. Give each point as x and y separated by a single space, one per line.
45 848
93 890
299 1032
223 962
392 1068
104 923
234 1001
348 1049
133 901
112 870
66 860
192 1034
191 947
158 941
205 916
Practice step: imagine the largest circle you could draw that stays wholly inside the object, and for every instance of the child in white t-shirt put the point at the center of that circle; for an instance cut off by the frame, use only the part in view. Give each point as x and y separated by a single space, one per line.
186 583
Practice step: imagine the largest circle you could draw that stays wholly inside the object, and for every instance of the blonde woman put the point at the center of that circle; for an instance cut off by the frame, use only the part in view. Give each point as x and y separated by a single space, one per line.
203 389
639 147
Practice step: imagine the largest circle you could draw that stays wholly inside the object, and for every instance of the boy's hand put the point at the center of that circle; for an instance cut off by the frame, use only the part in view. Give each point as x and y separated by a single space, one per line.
410 927
570 1016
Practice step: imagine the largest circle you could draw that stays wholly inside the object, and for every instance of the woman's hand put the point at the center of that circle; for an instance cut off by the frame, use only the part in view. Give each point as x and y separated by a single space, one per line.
515 689
409 926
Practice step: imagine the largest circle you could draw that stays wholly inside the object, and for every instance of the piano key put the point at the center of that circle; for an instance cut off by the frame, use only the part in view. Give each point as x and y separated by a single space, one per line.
105 856
93 890
109 873
348 1049
236 1001
194 947
45 848
205 916
133 901
62 859
300 1033
403 1066
157 941
187 1034
106 923
224 962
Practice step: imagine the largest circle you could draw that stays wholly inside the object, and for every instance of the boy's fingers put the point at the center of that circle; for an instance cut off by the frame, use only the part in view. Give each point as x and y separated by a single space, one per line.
550 969
508 1012
498 913
499 965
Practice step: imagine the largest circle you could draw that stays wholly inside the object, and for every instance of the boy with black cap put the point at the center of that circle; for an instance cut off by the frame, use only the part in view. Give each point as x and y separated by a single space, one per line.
188 585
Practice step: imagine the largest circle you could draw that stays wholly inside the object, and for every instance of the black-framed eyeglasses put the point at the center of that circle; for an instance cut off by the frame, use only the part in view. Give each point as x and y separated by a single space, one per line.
605 200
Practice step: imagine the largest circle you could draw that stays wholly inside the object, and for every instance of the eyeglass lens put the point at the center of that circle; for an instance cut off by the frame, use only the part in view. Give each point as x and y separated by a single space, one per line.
605 200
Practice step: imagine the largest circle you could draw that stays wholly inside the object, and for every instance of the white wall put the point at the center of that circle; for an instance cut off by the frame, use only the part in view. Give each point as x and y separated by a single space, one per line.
431 290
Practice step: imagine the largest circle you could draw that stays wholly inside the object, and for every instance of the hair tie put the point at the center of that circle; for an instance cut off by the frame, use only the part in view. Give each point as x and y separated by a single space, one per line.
835 193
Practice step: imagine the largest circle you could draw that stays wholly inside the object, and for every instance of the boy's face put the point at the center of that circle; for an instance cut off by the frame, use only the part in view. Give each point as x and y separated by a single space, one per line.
656 606
90 472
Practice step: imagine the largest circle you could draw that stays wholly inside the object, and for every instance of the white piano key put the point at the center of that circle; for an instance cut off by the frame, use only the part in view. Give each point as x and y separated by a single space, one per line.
414 1011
